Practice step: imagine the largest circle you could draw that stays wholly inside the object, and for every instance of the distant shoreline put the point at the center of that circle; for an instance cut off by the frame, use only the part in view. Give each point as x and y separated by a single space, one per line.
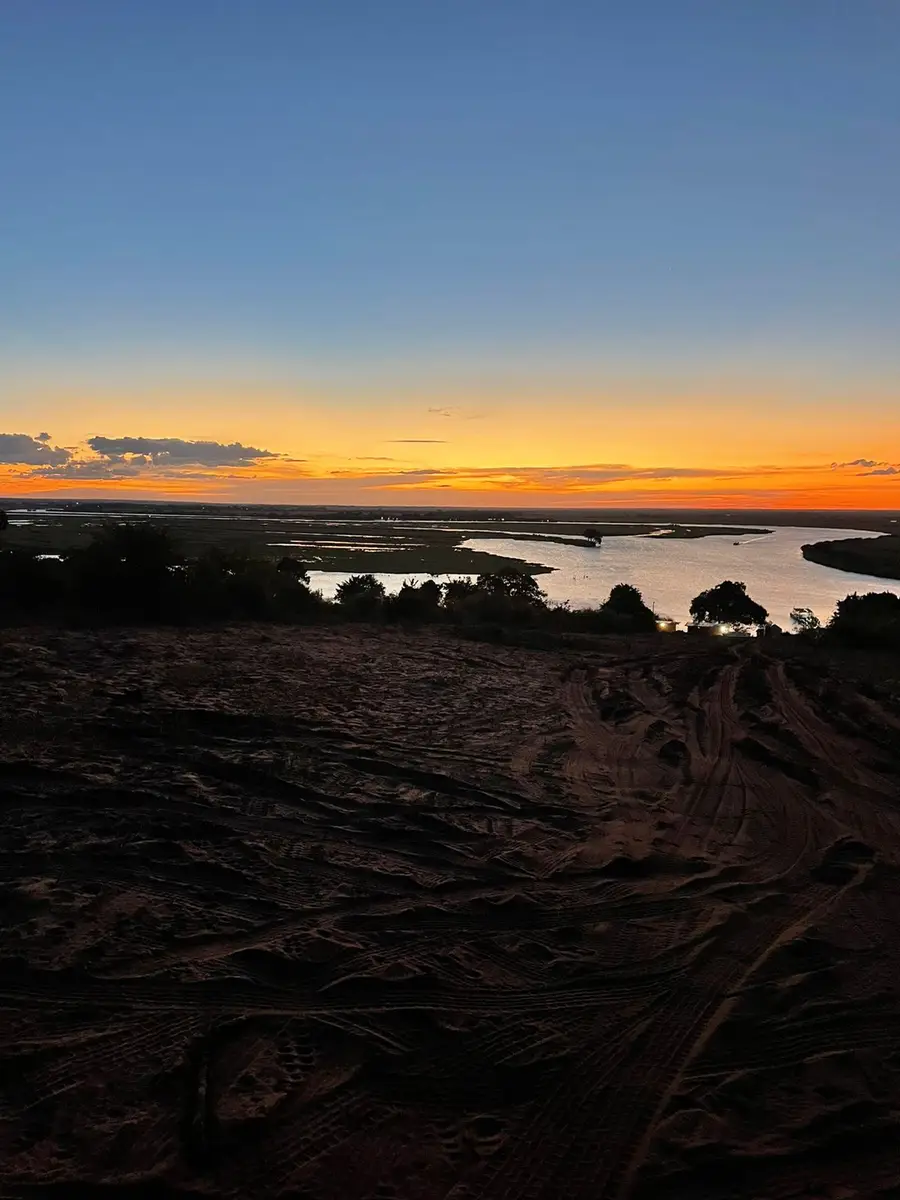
877 557
874 520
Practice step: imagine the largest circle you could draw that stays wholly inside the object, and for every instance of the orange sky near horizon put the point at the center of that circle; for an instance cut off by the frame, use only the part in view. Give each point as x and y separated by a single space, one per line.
509 442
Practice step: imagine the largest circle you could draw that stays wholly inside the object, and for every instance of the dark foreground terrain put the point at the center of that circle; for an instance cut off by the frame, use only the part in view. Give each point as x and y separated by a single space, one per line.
344 915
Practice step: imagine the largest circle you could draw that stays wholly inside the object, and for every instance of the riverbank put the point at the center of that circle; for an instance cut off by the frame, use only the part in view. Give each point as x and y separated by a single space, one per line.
879 557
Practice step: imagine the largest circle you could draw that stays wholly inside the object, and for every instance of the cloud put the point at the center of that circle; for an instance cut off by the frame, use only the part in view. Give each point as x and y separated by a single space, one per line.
177 452
22 449
575 478
881 471
857 462
373 458
43 437
442 412
418 441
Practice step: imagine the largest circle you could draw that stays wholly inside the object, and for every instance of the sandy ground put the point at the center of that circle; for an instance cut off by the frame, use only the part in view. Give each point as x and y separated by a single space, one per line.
342 915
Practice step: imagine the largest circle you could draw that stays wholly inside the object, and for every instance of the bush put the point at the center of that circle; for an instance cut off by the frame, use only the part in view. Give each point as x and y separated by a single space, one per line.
361 597
415 603
872 619
128 570
30 585
220 585
728 603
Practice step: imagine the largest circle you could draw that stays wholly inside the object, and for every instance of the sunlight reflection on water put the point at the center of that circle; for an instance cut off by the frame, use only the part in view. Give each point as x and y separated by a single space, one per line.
670 572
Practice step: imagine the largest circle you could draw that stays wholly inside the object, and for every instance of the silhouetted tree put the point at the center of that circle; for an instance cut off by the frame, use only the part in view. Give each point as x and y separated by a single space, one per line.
4 521
728 603
872 619
513 585
805 620
594 536
625 611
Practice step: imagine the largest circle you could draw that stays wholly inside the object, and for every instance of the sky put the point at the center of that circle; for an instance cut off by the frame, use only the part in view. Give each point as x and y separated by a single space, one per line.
563 253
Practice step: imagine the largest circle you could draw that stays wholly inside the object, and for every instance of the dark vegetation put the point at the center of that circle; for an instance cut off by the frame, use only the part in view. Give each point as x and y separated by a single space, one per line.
864 556
728 603
137 572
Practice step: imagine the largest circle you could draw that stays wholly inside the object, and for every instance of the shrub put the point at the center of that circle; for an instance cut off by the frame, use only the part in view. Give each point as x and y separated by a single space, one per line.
30 585
361 596
129 570
872 619
222 585
415 603
294 568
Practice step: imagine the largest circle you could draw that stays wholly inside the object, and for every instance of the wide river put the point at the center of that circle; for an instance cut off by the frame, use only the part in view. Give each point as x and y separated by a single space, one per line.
669 571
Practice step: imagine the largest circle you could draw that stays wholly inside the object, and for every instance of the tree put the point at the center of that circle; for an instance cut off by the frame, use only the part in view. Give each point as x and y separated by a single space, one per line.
624 611
512 585
4 521
728 604
594 536
805 620
872 619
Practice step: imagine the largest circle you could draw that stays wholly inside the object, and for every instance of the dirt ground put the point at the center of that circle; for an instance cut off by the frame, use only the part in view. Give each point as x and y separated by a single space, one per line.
365 915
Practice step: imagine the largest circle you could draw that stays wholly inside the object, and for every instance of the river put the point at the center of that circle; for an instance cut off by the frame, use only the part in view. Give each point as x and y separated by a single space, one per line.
670 572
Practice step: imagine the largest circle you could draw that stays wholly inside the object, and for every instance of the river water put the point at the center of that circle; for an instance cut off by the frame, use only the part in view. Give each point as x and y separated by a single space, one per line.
669 571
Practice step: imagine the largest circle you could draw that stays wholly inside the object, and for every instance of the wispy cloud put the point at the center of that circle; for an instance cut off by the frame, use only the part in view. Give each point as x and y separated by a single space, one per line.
881 471
417 441
857 462
460 414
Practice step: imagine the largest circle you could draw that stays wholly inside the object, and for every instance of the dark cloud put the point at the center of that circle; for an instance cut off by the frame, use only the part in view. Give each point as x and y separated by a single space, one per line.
172 452
857 462
881 471
43 437
21 449
373 458
94 468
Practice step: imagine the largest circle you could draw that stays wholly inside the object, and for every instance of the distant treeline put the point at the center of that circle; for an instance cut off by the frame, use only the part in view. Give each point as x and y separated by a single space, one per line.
864 556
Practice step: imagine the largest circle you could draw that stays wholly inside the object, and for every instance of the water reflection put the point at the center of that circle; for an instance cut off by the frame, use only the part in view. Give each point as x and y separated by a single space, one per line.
671 572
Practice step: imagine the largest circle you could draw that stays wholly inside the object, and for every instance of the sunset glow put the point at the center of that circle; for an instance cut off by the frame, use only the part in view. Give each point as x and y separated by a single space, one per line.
316 267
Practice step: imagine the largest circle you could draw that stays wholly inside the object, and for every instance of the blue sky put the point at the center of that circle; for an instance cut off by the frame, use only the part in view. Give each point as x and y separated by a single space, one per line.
378 198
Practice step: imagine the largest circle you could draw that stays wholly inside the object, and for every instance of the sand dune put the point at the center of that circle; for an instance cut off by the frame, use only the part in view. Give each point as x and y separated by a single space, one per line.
370 915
